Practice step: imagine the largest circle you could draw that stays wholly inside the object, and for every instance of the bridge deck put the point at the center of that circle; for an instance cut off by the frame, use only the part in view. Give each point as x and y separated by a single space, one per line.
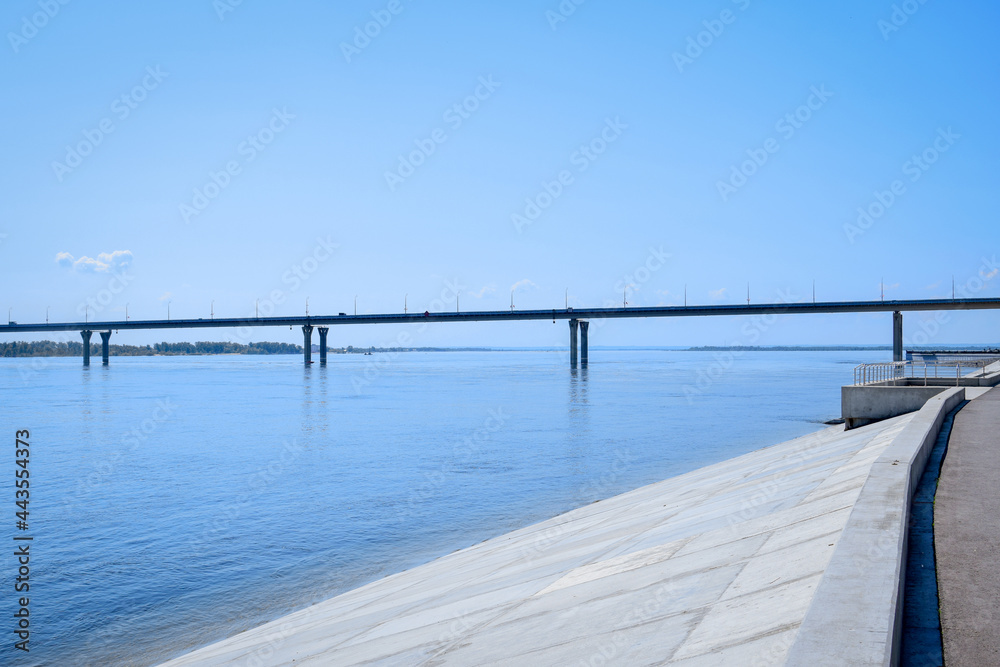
516 315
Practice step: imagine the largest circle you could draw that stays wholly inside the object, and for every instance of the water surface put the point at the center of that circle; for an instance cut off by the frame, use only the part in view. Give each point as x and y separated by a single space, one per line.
179 500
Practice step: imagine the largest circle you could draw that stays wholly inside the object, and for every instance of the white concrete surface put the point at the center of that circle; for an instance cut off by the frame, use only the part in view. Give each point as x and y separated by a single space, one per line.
715 567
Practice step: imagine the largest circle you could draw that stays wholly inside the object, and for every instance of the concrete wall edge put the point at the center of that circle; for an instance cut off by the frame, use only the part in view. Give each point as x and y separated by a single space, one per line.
855 617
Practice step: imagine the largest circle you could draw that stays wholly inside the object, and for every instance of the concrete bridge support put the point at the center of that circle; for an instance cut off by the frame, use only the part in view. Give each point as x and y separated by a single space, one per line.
584 344
86 346
574 326
323 331
307 345
897 336
105 337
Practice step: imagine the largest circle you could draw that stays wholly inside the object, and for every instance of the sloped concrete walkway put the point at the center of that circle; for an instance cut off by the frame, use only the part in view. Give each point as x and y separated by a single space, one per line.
715 567
967 535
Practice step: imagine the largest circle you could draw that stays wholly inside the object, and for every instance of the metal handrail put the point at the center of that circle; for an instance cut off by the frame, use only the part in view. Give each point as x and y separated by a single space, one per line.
891 371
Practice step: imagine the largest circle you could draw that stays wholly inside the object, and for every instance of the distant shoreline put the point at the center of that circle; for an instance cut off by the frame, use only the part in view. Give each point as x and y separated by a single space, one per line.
52 349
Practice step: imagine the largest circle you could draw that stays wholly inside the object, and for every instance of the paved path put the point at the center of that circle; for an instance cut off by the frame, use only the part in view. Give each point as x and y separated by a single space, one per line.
714 567
967 535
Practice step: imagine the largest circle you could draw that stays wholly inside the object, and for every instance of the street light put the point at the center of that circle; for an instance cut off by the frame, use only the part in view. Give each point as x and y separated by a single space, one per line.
126 314
46 314
405 296
168 311
307 306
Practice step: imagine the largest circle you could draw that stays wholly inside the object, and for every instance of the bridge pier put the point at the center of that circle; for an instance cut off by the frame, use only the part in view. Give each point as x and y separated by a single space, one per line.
105 337
574 326
323 331
897 336
307 346
86 346
584 344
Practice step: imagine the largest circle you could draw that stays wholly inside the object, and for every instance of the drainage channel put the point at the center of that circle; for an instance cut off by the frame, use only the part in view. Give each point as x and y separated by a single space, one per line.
921 640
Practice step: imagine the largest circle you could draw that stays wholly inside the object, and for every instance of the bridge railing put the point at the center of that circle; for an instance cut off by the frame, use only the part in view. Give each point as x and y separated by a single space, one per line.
905 371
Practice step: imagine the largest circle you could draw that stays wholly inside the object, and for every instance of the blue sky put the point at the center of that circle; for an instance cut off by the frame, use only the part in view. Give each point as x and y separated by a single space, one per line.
206 152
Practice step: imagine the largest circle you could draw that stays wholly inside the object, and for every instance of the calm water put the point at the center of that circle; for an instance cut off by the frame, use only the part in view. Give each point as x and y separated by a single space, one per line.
178 500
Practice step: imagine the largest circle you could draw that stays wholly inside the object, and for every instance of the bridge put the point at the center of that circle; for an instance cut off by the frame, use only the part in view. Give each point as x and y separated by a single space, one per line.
579 320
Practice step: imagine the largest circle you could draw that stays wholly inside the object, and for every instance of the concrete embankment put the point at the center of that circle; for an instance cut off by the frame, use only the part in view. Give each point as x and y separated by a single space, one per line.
724 565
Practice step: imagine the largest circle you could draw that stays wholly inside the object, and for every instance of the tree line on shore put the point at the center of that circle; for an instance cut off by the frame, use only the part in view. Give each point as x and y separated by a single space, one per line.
48 348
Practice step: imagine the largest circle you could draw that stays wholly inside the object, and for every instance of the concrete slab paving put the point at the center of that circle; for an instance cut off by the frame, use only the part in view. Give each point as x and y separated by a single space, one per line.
967 535
717 566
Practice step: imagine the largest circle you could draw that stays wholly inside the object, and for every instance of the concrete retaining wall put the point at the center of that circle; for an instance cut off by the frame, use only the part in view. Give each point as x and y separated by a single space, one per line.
864 404
861 405
856 615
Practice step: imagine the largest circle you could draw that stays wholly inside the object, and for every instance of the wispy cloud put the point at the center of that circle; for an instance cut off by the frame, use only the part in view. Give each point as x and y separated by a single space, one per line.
104 263
487 289
992 274
522 283
165 296
934 286
718 294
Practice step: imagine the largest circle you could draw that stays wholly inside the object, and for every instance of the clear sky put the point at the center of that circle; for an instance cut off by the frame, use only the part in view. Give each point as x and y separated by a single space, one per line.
228 152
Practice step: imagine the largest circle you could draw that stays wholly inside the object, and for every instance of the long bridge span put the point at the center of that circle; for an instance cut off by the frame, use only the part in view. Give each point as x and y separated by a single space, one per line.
579 320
